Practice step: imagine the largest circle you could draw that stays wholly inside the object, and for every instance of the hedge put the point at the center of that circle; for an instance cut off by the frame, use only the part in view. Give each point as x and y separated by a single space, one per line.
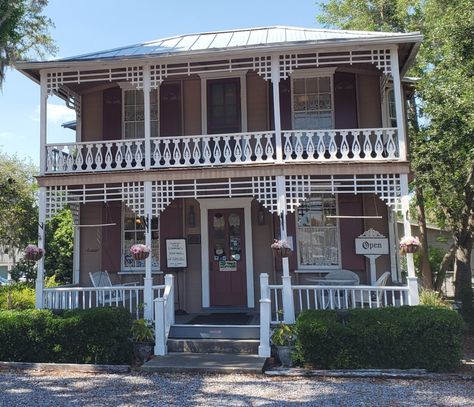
99 335
385 338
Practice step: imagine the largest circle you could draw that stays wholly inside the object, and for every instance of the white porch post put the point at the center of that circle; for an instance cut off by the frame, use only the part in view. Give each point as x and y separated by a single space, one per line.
287 292
148 280
43 121
397 88
265 317
393 243
411 279
147 115
41 243
276 107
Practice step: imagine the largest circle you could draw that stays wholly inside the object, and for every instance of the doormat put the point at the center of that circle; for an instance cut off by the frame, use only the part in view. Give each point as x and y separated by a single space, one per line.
221 319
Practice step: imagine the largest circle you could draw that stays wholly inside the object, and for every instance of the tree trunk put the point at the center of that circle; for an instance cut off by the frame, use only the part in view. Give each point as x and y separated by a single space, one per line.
425 261
447 261
462 271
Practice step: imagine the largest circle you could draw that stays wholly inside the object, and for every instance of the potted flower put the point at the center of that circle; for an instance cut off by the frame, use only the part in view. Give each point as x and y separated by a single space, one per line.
409 244
281 248
143 340
140 251
284 338
33 252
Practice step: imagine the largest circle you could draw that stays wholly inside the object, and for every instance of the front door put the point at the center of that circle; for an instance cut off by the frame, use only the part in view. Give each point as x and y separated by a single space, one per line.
227 258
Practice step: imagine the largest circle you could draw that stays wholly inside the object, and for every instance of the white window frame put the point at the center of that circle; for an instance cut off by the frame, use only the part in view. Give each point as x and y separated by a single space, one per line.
126 87
313 73
242 75
136 270
310 268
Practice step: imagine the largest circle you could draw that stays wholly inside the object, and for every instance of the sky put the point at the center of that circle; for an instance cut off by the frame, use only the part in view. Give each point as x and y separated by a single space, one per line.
93 25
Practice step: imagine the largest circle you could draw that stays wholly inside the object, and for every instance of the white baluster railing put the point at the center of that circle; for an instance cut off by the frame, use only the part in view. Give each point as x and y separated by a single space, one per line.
164 316
309 297
341 145
95 156
218 149
129 297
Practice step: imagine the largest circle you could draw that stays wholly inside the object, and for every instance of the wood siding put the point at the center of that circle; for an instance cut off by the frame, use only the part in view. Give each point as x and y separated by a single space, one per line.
369 101
257 103
192 106
91 119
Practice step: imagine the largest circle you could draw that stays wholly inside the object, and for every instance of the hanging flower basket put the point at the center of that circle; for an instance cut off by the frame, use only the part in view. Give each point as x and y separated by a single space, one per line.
33 252
409 244
139 251
280 248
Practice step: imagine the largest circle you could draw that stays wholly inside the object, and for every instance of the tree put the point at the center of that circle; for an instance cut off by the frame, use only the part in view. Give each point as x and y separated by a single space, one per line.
443 148
18 208
59 247
24 32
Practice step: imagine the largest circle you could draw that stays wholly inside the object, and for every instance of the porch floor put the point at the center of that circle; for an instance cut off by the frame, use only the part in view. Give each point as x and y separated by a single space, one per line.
205 362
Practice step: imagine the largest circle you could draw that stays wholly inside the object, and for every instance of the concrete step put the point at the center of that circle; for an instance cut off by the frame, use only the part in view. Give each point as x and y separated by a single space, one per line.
184 331
205 362
230 346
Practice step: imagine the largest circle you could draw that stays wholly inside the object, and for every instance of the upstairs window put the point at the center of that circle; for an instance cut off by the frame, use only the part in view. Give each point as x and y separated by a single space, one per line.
318 233
312 100
391 109
223 106
134 114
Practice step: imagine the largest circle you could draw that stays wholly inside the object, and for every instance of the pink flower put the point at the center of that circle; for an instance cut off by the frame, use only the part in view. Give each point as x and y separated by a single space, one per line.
139 248
33 250
409 241
280 244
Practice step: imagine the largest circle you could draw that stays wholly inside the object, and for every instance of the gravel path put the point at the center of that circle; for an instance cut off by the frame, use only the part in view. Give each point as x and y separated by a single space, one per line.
28 388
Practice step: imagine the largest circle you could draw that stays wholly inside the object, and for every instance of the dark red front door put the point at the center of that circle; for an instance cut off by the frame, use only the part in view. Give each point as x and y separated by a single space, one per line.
227 258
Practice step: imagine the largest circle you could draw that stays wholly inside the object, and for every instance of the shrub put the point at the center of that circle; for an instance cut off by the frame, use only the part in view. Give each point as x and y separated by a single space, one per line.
17 297
80 336
401 338
433 299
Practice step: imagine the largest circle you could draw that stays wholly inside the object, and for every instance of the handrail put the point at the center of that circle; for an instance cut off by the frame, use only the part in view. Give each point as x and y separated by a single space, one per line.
164 316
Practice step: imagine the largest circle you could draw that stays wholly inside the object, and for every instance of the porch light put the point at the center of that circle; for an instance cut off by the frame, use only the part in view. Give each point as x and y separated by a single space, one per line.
191 217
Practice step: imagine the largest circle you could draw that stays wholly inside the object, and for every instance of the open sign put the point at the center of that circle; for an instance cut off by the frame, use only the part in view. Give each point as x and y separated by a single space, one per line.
371 242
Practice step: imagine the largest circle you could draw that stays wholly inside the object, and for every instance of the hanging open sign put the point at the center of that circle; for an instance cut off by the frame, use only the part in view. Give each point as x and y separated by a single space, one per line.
371 242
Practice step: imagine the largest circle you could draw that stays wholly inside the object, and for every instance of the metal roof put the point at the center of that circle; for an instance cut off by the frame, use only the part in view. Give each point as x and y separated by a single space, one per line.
233 40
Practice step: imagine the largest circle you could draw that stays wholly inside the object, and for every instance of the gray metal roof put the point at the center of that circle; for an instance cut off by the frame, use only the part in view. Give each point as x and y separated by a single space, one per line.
232 40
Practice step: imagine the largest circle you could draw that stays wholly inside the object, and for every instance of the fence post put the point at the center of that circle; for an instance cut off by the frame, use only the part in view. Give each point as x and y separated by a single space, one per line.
169 281
160 335
413 296
287 296
265 317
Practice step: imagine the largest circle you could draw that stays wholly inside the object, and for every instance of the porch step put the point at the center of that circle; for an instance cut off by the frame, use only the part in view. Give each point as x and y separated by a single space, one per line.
214 332
229 346
205 362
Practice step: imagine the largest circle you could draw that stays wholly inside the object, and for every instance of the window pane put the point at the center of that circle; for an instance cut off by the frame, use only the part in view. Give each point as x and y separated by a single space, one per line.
311 85
299 87
129 113
324 84
324 101
129 97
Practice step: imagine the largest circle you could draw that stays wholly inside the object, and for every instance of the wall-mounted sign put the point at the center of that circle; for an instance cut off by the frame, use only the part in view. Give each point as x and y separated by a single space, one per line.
176 253
228 265
371 242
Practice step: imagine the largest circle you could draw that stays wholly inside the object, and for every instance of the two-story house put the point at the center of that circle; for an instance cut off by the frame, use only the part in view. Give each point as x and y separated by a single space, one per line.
207 147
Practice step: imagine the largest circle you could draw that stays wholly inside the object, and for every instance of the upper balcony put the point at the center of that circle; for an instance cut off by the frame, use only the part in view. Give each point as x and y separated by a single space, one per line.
308 146
266 96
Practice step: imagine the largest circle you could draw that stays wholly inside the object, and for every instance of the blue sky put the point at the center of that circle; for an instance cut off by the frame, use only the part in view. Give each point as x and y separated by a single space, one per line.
93 25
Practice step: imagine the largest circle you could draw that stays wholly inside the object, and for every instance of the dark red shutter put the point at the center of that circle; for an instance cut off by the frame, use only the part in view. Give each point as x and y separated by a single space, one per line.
285 104
112 114
171 227
345 100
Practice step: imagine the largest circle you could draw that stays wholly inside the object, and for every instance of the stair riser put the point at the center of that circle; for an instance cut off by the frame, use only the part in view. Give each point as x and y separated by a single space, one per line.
214 332
230 347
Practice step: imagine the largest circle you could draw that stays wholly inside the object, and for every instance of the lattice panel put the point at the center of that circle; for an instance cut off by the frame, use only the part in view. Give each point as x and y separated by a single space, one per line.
133 74
378 57
58 197
387 187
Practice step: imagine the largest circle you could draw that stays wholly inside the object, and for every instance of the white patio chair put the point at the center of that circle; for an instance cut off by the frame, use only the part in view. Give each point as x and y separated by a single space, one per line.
375 299
101 279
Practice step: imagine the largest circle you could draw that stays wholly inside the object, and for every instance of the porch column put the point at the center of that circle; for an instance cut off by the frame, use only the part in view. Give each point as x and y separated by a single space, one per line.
147 115
148 280
41 243
43 121
276 107
397 88
412 280
393 243
287 292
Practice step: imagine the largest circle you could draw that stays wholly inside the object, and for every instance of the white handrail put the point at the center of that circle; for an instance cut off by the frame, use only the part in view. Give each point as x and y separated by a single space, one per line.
164 316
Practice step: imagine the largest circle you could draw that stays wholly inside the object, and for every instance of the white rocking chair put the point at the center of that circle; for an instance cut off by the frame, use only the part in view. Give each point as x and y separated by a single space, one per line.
374 297
101 279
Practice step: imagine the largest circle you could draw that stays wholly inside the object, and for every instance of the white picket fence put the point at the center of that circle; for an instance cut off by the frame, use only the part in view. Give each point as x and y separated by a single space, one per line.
164 316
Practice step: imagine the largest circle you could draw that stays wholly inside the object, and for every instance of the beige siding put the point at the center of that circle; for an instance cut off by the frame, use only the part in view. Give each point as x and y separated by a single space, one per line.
368 96
192 106
92 116
257 106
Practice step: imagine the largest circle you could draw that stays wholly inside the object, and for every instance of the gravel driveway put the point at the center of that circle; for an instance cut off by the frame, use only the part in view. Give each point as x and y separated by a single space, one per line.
28 388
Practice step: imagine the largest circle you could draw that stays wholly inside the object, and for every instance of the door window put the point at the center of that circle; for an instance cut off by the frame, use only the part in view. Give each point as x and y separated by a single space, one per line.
223 106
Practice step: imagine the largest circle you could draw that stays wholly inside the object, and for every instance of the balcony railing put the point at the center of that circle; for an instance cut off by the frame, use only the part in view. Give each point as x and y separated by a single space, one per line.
348 145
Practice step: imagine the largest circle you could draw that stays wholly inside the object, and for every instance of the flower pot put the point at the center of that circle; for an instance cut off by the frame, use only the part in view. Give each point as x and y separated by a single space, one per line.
284 355
140 255
281 252
33 256
410 248
142 351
